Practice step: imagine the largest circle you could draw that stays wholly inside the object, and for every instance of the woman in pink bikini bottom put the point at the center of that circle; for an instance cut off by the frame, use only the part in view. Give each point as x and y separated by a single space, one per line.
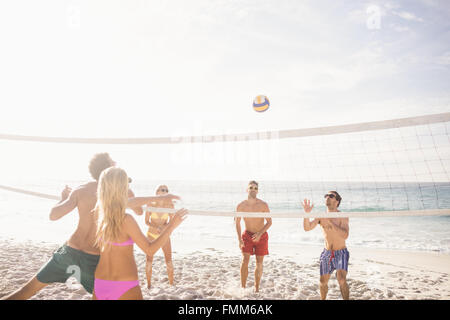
116 276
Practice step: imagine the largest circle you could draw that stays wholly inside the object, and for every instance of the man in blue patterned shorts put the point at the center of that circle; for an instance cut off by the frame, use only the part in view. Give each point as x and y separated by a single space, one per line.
335 256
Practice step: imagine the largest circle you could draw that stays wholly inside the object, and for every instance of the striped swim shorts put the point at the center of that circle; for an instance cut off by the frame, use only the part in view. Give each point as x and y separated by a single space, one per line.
331 260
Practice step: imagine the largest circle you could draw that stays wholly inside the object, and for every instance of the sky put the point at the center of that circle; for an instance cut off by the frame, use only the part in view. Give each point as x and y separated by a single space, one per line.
163 68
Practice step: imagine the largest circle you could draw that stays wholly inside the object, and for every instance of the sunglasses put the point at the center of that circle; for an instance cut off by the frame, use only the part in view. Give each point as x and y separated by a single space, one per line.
330 195
253 188
163 190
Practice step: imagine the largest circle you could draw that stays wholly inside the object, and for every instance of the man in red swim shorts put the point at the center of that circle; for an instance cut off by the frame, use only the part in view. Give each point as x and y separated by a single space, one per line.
254 240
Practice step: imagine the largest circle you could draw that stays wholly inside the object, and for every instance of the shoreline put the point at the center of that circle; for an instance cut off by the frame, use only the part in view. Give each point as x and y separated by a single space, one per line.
213 273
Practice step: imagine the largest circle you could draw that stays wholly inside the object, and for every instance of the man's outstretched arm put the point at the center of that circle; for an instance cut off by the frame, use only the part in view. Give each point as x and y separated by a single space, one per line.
142 201
137 209
68 202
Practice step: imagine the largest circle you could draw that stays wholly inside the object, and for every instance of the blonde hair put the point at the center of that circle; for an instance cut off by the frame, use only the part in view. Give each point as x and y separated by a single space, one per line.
112 198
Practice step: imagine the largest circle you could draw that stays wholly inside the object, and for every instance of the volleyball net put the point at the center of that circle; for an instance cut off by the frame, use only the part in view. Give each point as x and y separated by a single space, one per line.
398 167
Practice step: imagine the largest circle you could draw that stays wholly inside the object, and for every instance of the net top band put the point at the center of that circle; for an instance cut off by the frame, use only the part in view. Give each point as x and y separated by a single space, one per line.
268 135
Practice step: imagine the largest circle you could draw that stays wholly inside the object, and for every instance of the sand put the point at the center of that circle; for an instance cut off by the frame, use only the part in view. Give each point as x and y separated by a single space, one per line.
214 274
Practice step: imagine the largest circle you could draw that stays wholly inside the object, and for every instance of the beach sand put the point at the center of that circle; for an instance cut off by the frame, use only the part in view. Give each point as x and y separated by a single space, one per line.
212 273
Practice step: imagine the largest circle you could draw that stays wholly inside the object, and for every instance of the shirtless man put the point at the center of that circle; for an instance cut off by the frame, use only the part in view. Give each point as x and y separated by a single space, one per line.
254 240
79 251
335 256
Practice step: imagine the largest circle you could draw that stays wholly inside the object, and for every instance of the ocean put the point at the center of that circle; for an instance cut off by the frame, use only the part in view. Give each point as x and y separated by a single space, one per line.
25 218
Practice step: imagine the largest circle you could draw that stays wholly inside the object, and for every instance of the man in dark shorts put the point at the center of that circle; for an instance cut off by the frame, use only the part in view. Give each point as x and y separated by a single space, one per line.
78 256
254 240
335 255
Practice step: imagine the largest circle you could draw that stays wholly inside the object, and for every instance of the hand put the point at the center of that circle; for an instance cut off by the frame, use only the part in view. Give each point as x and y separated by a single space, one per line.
178 217
241 244
256 236
307 206
65 193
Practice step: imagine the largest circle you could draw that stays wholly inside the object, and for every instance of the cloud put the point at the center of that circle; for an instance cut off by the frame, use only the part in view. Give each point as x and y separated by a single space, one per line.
444 59
408 16
391 5
399 28
340 74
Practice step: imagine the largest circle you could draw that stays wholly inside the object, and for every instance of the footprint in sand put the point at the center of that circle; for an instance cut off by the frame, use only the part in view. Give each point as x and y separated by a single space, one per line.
300 297
305 292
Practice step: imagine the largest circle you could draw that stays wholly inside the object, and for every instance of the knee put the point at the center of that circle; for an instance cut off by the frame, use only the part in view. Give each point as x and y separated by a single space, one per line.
342 280
323 285
245 262
150 259
169 263
323 282
259 266
168 258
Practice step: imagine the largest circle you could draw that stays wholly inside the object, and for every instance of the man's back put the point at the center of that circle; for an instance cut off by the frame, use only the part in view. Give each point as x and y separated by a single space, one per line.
84 198
83 238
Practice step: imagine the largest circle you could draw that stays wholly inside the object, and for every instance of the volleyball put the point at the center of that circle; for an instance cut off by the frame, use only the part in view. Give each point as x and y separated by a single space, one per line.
261 103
